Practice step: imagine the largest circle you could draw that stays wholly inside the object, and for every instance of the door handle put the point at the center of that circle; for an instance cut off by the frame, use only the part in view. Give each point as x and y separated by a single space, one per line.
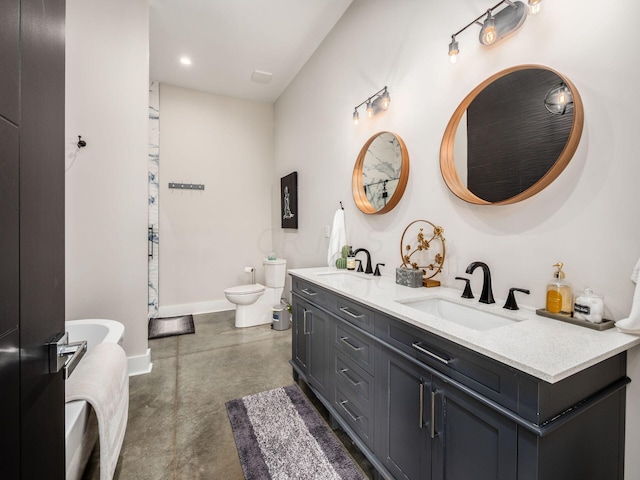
433 414
304 322
64 355
421 410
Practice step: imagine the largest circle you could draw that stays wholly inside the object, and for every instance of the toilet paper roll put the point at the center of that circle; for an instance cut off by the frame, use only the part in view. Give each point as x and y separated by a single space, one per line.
248 269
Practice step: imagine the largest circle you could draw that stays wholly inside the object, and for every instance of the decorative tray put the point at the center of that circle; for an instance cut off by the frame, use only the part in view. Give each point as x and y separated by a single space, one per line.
605 325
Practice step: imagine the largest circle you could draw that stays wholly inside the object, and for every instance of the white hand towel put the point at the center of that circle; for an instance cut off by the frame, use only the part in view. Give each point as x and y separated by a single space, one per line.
338 238
632 323
102 379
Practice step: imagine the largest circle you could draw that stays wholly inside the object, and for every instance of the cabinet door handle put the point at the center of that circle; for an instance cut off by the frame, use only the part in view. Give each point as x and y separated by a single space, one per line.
309 292
351 314
353 382
421 349
421 414
343 404
433 414
346 341
304 322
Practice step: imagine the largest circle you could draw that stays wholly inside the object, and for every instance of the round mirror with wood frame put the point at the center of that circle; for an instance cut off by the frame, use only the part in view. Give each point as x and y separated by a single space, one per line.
511 137
380 174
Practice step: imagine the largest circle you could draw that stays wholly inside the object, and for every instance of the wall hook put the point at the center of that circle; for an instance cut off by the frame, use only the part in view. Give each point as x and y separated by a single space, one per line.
81 143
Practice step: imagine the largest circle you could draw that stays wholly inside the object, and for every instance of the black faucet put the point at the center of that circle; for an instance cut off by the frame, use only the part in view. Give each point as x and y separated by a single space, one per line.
368 269
487 293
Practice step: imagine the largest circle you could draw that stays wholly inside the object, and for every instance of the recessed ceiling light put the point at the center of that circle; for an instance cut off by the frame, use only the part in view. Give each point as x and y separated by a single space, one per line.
185 61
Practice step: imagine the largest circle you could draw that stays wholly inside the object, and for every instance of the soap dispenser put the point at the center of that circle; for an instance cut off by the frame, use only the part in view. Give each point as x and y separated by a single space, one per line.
351 259
559 293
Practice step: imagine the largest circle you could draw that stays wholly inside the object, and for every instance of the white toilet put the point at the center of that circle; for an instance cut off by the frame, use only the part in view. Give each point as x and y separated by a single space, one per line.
253 302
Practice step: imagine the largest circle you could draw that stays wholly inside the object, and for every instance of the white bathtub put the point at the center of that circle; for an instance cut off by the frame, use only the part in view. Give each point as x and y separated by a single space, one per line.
81 433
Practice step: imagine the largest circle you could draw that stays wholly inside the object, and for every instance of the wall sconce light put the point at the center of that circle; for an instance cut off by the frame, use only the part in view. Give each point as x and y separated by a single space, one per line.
558 99
497 26
375 105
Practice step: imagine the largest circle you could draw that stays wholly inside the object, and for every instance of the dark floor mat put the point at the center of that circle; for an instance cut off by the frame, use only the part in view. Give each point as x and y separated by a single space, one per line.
170 326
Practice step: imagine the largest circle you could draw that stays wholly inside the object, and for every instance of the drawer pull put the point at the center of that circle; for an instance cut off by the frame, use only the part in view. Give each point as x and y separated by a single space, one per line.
433 414
421 414
344 371
304 322
351 314
421 349
309 292
345 340
344 407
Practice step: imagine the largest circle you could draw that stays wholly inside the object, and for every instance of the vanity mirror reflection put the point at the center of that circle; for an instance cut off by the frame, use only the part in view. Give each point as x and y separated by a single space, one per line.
380 173
511 136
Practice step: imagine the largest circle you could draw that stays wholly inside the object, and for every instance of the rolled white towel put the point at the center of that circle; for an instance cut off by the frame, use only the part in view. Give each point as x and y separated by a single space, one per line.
338 238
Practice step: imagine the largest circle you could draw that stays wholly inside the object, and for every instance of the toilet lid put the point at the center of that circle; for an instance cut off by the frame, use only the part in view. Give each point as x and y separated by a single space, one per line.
245 289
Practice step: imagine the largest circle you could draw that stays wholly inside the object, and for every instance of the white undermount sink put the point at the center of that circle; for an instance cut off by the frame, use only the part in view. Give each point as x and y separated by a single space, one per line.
467 316
346 275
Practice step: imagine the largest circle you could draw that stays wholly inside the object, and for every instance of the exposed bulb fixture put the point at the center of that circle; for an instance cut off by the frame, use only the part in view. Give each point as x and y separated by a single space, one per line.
489 29
453 50
496 26
534 6
375 104
386 99
558 99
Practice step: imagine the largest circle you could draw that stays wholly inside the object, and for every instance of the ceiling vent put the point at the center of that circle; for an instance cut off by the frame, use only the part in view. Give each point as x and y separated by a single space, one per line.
261 77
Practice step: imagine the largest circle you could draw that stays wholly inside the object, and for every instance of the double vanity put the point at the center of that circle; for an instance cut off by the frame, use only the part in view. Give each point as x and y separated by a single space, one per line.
433 386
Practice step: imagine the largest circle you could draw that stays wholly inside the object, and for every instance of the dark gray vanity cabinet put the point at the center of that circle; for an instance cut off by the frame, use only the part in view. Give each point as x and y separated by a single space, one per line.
421 407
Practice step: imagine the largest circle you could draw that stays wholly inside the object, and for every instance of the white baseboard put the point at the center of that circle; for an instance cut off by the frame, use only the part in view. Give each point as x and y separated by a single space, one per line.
140 364
194 308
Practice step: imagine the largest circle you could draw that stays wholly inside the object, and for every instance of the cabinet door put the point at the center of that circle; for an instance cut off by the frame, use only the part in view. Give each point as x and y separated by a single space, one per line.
403 418
318 368
471 441
299 335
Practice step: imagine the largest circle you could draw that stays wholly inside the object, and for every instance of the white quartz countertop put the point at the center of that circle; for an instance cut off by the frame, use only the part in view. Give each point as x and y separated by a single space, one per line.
548 349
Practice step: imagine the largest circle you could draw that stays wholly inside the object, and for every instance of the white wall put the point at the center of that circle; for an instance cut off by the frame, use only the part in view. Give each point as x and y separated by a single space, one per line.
106 182
587 218
208 237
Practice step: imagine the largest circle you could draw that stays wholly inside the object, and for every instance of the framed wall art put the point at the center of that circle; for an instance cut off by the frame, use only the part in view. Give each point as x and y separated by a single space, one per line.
289 200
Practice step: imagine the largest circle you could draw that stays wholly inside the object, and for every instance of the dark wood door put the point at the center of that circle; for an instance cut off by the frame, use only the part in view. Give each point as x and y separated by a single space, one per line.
471 441
32 38
403 418
319 369
299 342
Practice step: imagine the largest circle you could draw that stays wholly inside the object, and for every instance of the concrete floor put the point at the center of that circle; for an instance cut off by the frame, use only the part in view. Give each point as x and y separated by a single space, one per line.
178 426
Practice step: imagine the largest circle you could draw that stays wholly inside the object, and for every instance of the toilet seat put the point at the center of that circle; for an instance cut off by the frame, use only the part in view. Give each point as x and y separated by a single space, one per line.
245 289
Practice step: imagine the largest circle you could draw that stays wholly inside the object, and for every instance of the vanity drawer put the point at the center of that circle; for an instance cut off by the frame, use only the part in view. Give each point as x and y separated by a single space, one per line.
484 375
351 378
358 416
314 294
355 313
354 346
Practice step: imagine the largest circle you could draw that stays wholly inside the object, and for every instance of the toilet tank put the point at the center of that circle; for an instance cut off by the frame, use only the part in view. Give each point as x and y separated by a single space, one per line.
275 272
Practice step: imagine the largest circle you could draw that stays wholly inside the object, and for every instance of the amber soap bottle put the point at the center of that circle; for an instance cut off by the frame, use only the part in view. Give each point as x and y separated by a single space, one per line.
559 293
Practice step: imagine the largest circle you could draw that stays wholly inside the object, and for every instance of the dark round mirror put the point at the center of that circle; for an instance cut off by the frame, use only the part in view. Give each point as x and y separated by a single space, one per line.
380 174
511 136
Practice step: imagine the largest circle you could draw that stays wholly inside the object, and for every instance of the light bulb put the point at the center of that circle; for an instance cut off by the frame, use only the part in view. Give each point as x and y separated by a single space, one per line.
385 99
369 109
356 117
453 50
535 6
489 36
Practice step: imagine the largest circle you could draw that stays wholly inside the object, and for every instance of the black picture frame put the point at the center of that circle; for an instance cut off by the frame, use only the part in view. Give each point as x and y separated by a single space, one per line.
289 200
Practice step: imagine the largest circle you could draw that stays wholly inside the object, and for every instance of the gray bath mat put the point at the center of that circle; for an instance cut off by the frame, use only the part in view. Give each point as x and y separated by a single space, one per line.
279 434
170 326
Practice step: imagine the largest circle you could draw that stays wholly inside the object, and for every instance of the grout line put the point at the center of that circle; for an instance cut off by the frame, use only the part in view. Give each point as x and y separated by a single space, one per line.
175 413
